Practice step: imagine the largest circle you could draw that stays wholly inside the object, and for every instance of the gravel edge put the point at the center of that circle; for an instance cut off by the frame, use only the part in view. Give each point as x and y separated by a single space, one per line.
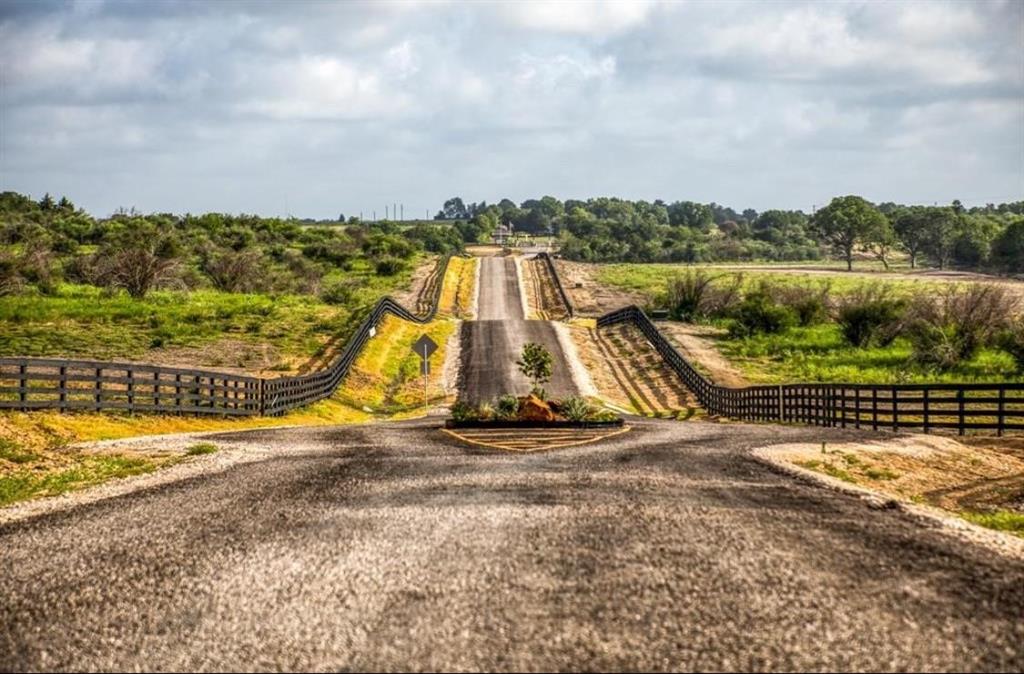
996 541
226 457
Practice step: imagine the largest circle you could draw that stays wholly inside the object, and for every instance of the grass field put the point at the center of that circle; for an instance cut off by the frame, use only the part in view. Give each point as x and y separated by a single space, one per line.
650 279
252 332
818 353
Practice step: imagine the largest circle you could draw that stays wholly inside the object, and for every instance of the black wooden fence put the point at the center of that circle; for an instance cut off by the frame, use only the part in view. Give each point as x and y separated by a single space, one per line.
960 407
558 282
48 383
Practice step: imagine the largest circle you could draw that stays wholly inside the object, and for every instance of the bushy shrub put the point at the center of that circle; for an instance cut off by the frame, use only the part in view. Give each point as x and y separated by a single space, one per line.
870 316
388 266
686 294
576 409
340 292
507 407
808 303
952 327
696 294
759 313
463 411
1012 341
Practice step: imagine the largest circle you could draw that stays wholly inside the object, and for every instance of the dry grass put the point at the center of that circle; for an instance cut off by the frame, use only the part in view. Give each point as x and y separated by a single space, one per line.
983 483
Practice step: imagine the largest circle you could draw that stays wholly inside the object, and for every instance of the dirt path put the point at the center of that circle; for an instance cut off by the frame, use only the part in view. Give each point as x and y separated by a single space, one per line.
693 342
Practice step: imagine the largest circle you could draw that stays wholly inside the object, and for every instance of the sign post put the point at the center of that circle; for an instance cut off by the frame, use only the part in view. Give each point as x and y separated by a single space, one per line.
424 348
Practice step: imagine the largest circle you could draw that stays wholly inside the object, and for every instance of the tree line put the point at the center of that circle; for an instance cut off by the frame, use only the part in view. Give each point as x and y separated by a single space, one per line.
608 229
49 241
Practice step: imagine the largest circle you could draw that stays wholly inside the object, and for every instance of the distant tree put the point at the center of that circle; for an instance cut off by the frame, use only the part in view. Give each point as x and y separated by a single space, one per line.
942 229
47 203
1008 248
848 223
913 227
881 242
690 214
454 209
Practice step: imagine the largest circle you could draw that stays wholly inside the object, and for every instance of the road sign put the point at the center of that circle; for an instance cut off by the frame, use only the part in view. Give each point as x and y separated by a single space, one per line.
424 347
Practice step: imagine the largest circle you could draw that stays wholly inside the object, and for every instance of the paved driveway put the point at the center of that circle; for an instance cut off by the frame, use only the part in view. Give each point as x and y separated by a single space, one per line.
387 547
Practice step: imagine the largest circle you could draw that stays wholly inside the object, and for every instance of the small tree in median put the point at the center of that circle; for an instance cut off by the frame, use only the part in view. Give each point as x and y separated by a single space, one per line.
535 364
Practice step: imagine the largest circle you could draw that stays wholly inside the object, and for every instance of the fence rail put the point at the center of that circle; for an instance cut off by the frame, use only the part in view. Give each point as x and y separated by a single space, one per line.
60 384
549 261
960 407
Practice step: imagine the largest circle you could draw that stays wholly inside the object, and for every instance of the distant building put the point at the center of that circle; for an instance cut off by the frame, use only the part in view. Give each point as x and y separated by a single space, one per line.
502 234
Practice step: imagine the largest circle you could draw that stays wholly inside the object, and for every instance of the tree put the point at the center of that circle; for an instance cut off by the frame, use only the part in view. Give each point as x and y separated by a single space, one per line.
1008 248
690 214
941 235
912 227
881 242
848 223
137 258
535 364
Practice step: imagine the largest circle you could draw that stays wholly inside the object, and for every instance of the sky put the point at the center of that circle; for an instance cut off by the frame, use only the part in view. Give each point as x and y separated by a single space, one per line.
315 109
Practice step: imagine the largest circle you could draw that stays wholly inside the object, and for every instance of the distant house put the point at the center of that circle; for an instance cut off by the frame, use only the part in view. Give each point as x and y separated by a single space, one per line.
502 234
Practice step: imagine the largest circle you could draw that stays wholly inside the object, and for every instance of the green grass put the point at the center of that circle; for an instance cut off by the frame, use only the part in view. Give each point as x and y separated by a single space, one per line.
15 453
84 321
819 354
1000 520
201 448
650 279
88 470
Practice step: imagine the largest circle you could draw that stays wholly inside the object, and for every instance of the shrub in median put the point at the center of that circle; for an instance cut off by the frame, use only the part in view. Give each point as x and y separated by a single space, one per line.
507 407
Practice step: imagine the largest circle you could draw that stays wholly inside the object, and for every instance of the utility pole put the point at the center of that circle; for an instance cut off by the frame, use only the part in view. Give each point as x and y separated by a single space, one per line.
385 211
403 213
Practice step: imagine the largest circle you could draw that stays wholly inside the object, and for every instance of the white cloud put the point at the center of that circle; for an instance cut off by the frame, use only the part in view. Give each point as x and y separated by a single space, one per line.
604 17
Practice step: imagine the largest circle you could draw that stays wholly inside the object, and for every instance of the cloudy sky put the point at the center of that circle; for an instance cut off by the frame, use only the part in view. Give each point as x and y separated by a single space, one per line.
326 107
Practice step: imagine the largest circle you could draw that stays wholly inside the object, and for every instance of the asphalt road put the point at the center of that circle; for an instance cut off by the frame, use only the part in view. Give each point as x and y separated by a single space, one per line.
491 345
388 547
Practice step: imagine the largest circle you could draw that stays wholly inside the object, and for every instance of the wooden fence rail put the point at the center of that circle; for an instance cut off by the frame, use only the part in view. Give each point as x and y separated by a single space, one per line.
59 384
549 261
959 407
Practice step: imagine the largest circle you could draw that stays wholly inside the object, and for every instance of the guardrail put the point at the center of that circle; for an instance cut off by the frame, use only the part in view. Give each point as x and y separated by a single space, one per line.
558 282
58 384
960 407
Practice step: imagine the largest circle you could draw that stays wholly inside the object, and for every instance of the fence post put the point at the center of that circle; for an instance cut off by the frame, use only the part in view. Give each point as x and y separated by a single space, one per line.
782 405
260 397
926 410
177 391
874 408
23 385
856 406
1001 419
895 412
156 388
131 390
960 405
97 395
63 388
